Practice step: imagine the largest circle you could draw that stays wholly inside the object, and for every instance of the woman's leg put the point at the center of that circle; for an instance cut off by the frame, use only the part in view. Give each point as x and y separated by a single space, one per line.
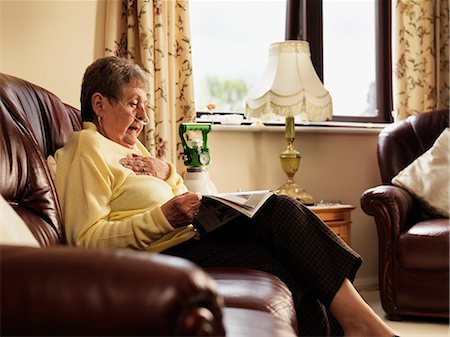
307 246
329 263
355 316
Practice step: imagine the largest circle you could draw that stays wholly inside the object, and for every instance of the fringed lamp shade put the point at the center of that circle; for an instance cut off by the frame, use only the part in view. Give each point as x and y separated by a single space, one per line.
290 86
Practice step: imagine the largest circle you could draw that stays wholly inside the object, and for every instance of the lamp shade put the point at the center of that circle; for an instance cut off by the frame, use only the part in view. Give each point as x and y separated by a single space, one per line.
289 86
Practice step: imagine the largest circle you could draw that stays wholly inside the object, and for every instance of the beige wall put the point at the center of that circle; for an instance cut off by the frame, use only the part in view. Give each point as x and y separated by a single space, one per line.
1 34
334 166
50 43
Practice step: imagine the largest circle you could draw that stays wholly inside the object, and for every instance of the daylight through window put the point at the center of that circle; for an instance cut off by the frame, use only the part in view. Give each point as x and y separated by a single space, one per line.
230 46
350 45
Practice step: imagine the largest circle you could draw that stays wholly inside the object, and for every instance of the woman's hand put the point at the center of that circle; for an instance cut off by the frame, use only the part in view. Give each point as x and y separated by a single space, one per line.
147 166
181 209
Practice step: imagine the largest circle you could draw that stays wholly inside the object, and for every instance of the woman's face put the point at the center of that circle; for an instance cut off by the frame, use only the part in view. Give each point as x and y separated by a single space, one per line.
117 122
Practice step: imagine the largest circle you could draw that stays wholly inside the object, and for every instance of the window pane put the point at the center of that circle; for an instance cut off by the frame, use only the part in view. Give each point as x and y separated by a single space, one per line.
349 56
230 46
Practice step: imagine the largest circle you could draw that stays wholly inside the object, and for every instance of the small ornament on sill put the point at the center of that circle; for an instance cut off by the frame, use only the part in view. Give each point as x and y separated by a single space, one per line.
211 107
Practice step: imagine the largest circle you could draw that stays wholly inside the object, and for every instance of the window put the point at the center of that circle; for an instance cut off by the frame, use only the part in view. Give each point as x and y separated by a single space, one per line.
230 46
349 41
350 59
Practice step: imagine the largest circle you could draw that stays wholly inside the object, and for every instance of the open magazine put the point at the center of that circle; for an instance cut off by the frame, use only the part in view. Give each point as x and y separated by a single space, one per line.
218 209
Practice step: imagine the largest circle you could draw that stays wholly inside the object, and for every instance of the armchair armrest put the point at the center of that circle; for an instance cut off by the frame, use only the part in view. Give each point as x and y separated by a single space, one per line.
74 291
391 206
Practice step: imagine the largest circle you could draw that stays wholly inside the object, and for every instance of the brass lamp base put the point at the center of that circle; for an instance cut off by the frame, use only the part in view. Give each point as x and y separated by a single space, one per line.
290 162
291 189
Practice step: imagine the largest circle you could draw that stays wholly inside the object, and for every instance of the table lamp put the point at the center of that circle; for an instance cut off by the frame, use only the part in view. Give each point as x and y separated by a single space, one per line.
290 87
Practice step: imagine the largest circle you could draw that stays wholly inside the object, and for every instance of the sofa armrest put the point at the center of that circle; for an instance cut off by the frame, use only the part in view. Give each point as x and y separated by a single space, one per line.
391 206
73 291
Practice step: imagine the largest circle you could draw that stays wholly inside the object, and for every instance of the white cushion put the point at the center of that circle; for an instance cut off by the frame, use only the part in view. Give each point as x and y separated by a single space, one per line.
427 177
13 231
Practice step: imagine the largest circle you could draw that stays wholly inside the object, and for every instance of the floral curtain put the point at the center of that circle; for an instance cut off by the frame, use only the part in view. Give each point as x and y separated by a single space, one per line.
155 34
421 56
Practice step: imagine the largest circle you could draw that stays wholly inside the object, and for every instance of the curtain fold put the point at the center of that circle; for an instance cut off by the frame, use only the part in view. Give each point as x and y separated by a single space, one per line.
155 34
421 54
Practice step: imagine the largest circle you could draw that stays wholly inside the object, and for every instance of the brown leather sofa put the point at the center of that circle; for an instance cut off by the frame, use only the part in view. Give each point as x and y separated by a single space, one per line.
61 290
413 243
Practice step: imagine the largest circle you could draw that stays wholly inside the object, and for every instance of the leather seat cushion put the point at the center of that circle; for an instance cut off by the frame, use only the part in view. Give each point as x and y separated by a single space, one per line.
257 290
425 245
255 323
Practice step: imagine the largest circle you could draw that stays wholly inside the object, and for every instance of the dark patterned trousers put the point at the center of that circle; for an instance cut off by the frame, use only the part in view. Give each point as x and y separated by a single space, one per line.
287 240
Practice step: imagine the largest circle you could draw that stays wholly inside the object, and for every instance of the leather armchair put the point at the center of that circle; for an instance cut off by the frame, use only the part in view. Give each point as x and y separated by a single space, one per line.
62 290
413 243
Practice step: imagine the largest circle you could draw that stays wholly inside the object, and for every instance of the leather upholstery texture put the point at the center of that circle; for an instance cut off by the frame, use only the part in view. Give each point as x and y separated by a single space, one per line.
245 288
34 124
88 292
61 290
413 243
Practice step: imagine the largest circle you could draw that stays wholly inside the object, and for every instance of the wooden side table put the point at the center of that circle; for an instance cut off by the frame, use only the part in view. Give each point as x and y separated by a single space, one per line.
338 217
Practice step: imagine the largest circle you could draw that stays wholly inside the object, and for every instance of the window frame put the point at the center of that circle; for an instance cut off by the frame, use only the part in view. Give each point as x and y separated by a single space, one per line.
304 21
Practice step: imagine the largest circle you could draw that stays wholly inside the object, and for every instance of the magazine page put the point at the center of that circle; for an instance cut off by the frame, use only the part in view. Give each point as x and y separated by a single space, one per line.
247 203
212 215
218 209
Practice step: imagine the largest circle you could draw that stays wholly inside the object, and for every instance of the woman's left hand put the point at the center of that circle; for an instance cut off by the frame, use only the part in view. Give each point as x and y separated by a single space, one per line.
147 166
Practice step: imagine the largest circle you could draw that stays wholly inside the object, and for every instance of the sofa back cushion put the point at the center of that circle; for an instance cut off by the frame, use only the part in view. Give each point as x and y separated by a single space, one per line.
34 124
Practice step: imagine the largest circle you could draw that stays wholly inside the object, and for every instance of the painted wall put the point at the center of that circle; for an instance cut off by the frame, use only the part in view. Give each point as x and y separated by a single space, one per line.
335 166
50 43
1 34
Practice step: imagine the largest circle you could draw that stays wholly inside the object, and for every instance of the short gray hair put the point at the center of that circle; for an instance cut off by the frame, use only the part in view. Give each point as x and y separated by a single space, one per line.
109 76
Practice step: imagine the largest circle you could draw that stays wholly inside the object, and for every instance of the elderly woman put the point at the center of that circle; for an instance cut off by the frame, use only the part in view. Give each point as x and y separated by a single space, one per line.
114 194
